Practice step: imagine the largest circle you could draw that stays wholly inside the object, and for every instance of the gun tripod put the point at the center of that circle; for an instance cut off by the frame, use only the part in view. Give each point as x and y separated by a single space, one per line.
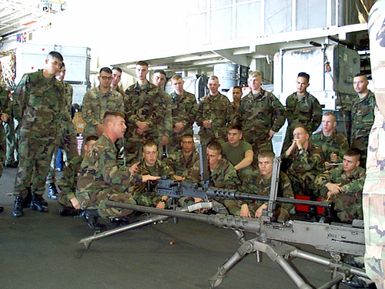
280 253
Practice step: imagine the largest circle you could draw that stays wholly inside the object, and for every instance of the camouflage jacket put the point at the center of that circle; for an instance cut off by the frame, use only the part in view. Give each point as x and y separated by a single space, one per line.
348 203
99 170
224 176
38 103
306 112
151 104
184 109
68 93
96 104
362 116
180 164
261 186
336 143
5 102
259 114
219 111
161 169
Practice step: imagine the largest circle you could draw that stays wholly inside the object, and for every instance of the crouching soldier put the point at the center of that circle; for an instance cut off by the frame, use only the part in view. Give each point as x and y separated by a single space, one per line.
343 186
101 179
150 169
261 185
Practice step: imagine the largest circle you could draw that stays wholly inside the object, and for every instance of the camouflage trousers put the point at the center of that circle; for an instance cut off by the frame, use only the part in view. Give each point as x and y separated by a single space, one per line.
2 149
97 200
11 142
35 157
373 203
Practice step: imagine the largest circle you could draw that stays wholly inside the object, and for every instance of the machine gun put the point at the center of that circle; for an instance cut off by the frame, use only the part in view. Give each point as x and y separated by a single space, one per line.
272 238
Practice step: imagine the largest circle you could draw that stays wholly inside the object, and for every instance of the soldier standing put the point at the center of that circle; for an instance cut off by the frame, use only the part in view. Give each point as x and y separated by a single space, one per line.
39 103
374 188
302 108
214 113
148 112
4 117
362 115
98 100
116 77
237 95
184 110
261 115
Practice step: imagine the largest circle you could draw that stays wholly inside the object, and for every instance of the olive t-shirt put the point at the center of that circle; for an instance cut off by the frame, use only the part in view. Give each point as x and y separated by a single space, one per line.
235 154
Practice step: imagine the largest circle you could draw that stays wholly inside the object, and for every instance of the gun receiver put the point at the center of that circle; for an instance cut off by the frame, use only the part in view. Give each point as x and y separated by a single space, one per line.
173 189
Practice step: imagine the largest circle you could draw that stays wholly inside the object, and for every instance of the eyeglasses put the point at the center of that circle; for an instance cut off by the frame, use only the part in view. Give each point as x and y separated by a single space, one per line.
106 77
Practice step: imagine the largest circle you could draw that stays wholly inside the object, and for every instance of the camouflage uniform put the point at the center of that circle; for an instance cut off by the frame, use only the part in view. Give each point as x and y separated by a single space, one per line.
306 112
143 192
96 104
303 167
146 103
224 176
336 143
184 109
4 108
38 105
101 179
180 164
67 141
261 186
219 111
374 188
259 114
348 203
362 121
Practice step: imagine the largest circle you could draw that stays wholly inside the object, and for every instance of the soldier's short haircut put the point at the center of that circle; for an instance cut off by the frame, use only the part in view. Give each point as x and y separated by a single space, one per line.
353 152
149 143
117 68
234 125
91 138
304 75
237 87
361 74
55 54
105 69
255 73
161 71
266 154
142 63
215 146
214 77
329 113
109 114
301 126
187 135
176 77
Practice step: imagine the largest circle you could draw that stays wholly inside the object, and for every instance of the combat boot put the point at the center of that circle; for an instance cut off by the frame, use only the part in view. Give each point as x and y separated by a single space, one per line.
52 191
38 203
18 207
91 217
27 200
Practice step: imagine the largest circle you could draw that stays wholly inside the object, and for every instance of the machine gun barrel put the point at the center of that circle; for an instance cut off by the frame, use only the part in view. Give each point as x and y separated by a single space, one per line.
331 238
229 194
173 189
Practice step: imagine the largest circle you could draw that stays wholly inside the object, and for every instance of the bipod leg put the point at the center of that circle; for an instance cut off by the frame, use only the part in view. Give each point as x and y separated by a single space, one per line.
275 251
88 241
247 247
